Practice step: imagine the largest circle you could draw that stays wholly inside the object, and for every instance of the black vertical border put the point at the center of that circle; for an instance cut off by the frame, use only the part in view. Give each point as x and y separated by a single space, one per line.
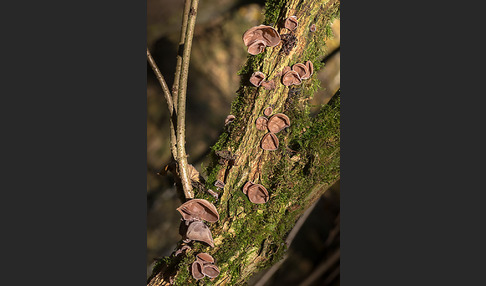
73 132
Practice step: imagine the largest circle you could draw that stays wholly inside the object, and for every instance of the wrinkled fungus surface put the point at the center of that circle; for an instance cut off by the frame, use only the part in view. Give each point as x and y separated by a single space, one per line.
199 209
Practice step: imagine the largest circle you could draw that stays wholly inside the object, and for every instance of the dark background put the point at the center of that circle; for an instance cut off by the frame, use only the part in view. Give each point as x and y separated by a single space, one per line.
74 112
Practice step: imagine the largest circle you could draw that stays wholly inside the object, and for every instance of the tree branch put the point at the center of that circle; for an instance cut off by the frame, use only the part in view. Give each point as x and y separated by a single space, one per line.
181 114
168 98
177 76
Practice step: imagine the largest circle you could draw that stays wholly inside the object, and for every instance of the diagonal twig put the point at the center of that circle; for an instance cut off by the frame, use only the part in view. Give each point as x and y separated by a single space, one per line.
170 104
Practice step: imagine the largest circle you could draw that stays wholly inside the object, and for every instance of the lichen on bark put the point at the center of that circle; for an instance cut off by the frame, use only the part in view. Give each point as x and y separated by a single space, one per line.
250 237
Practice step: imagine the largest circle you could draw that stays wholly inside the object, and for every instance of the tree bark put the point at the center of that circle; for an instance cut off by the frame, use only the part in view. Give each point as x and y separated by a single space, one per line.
251 237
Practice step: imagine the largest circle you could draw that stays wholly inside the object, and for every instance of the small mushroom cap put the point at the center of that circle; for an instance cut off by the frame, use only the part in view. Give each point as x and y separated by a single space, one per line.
261 123
199 209
310 67
269 142
246 186
312 28
257 194
229 119
197 270
278 122
219 183
197 230
204 258
291 78
267 34
257 78
268 85
301 69
291 23
256 47
268 111
210 270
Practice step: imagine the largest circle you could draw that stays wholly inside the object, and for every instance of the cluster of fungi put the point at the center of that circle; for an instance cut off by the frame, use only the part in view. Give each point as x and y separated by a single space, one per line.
195 211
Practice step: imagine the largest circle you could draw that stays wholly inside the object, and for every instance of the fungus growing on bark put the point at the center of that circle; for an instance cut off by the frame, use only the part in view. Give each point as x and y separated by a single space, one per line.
257 194
301 69
268 111
182 249
198 209
310 68
210 270
291 78
269 142
197 270
259 37
204 258
268 85
291 23
261 123
197 230
278 122
312 28
257 78
230 118
256 47
286 69
219 184
246 186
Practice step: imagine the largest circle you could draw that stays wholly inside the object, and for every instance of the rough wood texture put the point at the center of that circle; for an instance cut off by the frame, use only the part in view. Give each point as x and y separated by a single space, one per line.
250 237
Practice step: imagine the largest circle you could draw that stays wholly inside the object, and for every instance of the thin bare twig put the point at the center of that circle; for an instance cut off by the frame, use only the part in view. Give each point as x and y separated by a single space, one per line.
181 114
177 76
170 104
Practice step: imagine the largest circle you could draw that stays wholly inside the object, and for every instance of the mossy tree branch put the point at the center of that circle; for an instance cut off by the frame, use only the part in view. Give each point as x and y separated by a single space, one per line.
250 237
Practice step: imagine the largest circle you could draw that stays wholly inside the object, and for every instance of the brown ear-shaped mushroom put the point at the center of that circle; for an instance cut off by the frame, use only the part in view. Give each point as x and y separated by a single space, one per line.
257 194
253 34
256 47
261 123
230 118
312 28
301 69
199 209
210 270
257 78
268 35
310 68
290 78
278 122
204 258
268 111
268 85
291 23
269 142
197 270
197 230
246 186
